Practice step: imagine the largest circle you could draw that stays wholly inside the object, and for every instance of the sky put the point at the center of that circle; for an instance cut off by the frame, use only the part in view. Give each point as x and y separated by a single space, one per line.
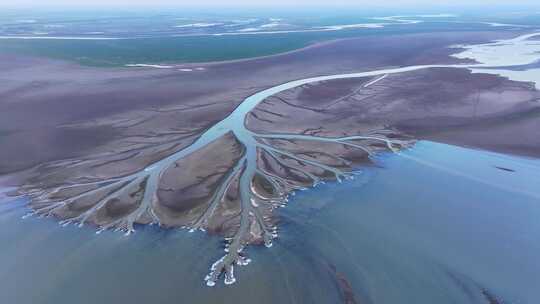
251 3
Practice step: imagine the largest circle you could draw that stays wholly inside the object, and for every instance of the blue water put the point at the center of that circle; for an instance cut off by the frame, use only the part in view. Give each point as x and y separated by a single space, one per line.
414 222
117 37
435 224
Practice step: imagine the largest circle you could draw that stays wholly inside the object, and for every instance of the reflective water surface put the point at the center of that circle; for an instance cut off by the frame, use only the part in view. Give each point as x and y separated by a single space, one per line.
434 224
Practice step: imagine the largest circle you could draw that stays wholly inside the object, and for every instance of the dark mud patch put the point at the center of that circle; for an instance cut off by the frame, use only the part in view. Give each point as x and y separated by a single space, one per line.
505 169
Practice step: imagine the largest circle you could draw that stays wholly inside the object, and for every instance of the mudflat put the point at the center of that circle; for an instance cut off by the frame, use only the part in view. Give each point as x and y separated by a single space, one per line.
52 110
119 147
446 105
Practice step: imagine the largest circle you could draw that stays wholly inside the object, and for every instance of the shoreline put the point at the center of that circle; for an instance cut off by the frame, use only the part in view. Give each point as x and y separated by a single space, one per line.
313 45
279 137
220 86
174 65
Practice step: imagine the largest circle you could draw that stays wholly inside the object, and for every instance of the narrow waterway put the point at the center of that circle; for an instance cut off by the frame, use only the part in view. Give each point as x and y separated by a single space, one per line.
410 231
38 246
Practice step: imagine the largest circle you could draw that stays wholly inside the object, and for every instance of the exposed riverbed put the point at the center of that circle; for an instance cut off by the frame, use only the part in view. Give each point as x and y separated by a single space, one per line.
258 189
449 228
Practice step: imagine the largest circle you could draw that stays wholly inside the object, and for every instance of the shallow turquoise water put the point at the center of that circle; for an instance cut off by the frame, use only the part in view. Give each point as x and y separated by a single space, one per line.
434 225
152 36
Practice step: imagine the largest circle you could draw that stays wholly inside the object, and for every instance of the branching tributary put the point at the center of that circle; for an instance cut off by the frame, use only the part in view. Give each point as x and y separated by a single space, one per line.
246 174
